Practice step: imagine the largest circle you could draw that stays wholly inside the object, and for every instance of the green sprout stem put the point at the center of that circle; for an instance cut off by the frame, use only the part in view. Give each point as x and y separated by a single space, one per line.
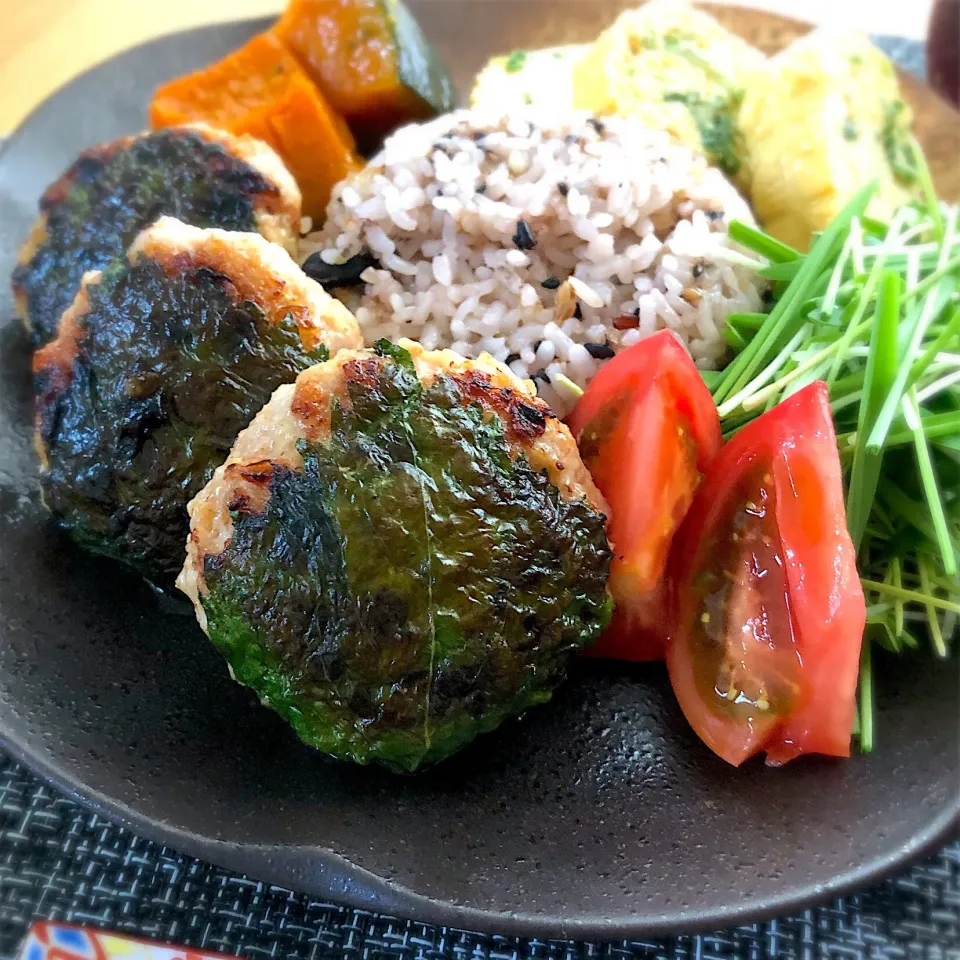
873 309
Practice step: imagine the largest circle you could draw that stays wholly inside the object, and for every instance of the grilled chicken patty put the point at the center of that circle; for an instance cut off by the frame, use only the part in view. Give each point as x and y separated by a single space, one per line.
159 362
202 176
402 550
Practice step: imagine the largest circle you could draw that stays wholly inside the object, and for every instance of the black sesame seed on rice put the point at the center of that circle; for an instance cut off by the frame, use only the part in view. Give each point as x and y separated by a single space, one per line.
551 283
714 214
597 125
599 351
481 188
564 188
346 274
524 239
698 270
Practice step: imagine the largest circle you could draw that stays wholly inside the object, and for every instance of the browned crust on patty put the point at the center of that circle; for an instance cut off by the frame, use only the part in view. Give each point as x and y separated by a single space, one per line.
53 363
252 489
35 239
260 271
523 419
278 216
57 192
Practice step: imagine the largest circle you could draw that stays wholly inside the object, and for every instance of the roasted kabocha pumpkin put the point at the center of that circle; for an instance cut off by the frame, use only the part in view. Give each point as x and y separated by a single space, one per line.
371 61
261 90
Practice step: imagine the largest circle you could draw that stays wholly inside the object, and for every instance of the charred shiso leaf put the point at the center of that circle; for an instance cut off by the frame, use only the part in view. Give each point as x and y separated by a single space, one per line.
169 368
413 586
101 203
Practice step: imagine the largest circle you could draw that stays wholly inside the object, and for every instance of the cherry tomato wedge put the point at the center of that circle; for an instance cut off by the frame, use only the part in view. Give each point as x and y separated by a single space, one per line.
768 608
647 429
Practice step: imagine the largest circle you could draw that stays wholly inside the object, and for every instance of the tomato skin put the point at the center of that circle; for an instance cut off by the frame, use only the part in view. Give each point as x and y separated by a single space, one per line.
828 603
647 429
793 449
660 356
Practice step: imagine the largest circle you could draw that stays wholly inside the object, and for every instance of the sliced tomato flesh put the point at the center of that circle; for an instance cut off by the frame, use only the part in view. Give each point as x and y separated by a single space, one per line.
646 427
769 612
738 626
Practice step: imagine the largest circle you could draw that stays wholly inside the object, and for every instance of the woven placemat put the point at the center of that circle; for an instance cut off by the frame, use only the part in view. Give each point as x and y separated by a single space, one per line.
59 861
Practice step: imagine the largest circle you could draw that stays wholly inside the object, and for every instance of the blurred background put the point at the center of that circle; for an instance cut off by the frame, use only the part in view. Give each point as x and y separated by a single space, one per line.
45 42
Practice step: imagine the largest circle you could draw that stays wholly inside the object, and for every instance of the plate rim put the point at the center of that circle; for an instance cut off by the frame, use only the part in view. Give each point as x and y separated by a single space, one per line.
355 887
384 897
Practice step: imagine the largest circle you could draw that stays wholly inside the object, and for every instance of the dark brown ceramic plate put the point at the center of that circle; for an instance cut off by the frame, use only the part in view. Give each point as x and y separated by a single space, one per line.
600 815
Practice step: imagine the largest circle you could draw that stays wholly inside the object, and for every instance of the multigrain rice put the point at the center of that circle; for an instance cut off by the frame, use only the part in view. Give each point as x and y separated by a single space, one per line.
550 243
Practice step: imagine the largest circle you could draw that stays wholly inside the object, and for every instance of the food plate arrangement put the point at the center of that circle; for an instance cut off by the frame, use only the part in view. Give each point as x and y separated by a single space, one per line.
539 383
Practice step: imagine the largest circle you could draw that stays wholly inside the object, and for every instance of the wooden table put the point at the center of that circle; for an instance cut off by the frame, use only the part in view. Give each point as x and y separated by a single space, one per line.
43 43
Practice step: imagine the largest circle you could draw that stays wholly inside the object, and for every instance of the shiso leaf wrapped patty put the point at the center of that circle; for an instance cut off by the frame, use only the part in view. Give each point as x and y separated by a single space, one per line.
160 361
403 550
94 211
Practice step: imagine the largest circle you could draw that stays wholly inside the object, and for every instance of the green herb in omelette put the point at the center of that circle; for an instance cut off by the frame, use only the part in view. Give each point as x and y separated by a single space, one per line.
896 141
515 61
715 119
